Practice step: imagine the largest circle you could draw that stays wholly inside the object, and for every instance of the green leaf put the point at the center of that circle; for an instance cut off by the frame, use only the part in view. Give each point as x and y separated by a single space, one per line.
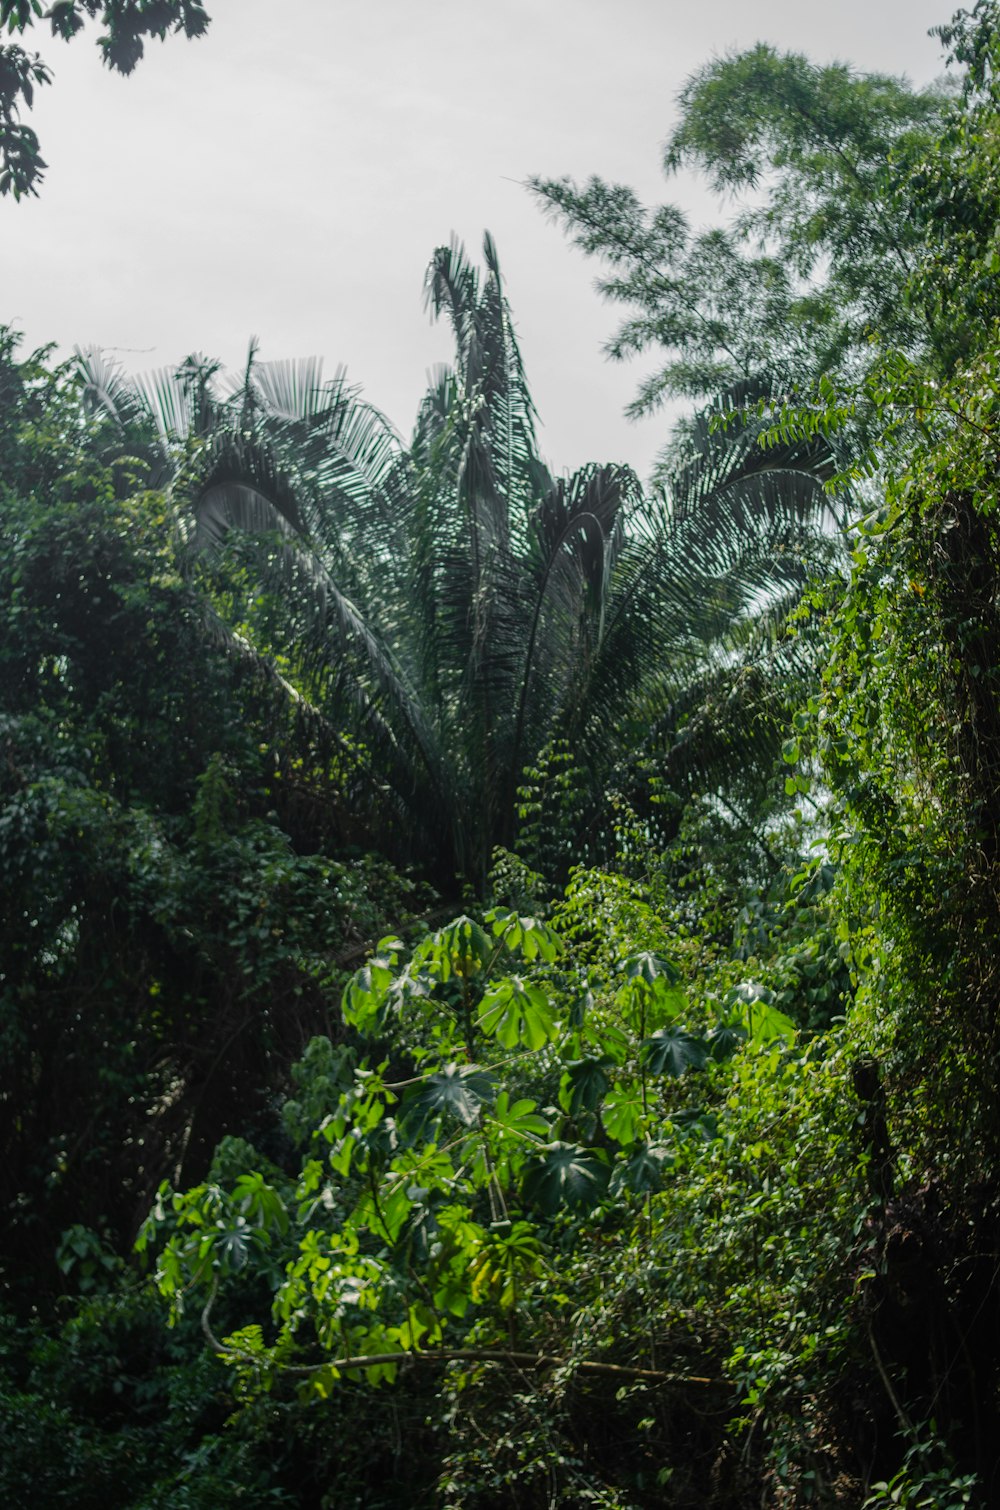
665 1001
515 1012
528 936
642 1172
461 949
234 1242
697 1123
725 1039
649 967
260 1202
365 993
673 1050
622 1113
565 1176
766 1023
457 1091
519 1117
583 1083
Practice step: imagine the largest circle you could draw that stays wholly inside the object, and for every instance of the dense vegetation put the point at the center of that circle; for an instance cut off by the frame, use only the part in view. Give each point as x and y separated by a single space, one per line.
499 994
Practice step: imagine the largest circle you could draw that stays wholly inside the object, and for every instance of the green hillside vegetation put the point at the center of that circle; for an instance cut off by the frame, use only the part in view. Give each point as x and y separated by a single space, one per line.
498 989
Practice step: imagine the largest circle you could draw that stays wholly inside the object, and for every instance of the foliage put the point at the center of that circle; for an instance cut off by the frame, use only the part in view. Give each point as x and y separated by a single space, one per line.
460 616
540 1155
674 1186
816 255
125 24
906 730
172 919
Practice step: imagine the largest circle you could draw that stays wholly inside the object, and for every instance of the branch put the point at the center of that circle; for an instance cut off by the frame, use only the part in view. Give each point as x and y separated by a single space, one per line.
478 1355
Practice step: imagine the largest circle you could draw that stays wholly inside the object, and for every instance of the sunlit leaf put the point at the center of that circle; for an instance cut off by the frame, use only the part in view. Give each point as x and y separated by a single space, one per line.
519 1117
649 967
518 1012
622 1113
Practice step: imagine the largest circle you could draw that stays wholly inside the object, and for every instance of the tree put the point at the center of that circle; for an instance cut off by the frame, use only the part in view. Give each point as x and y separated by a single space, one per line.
457 613
815 258
173 901
125 24
907 729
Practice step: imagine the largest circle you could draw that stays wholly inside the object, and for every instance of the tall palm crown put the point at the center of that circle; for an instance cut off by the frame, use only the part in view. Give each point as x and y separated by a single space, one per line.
451 609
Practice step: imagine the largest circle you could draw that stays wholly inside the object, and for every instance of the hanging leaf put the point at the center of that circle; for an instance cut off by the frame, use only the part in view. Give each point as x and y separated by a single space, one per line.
580 1008
234 1241
503 1262
461 949
565 1176
530 937
672 1050
366 990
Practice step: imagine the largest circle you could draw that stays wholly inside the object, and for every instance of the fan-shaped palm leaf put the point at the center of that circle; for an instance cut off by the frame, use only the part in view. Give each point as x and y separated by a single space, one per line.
452 609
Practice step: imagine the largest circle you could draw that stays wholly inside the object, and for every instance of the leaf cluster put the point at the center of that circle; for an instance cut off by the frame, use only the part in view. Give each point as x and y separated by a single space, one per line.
125 27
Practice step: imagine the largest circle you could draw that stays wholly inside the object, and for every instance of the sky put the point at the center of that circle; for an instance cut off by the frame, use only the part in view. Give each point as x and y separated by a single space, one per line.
289 175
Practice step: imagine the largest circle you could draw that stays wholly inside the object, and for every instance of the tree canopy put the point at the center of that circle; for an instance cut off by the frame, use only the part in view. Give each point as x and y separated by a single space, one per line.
814 260
462 614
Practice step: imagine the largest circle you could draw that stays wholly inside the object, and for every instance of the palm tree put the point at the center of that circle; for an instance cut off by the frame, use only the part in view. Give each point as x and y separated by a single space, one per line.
451 610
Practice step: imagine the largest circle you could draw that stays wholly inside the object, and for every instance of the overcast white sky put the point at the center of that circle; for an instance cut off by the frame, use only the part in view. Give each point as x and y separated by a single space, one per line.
290 174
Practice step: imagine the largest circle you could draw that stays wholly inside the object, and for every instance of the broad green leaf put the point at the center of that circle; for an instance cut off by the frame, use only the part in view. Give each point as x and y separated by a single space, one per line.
622 1113
665 1002
502 1261
456 1090
384 1213
260 1202
363 997
565 1176
767 1023
526 935
519 1117
461 949
642 1172
234 1242
517 1012
725 1039
583 1083
649 968
764 1022
389 949
672 1050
